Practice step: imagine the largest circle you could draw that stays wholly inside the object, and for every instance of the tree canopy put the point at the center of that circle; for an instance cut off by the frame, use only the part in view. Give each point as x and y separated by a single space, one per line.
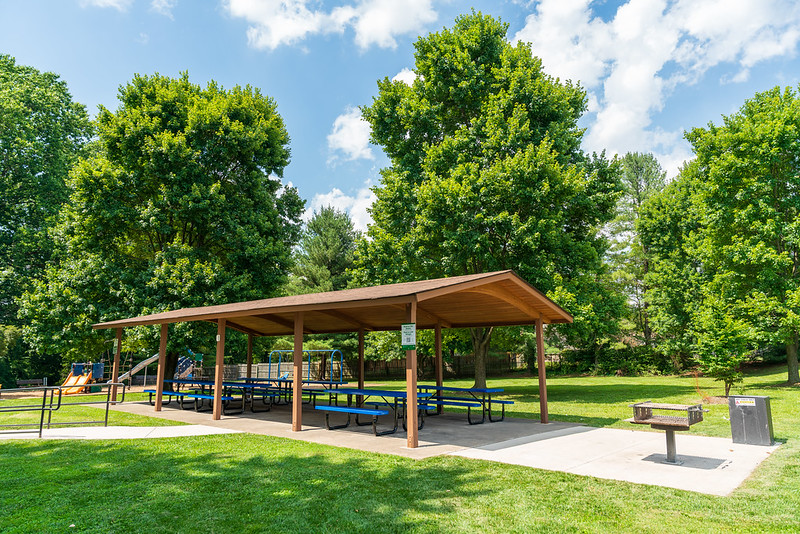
751 215
725 239
179 204
642 177
487 173
42 132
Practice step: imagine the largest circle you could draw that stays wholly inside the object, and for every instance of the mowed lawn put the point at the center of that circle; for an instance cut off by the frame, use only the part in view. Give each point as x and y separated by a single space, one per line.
248 483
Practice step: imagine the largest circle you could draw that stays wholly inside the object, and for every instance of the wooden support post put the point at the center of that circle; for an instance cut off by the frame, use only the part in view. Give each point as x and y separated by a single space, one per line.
115 367
219 370
361 358
438 365
540 363
249 356
411 384
297 378
162 363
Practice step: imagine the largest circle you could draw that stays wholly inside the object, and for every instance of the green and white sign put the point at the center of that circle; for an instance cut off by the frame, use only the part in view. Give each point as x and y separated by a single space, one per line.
408 336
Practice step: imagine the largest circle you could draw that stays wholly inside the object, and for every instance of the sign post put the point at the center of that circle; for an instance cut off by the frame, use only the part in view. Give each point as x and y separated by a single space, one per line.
408 336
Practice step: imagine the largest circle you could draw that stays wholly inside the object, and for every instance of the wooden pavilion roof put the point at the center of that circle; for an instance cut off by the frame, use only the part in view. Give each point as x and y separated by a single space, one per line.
499 298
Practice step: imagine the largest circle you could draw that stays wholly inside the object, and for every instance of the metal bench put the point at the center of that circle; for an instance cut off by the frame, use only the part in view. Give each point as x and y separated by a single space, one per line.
643 415
31 382
357 411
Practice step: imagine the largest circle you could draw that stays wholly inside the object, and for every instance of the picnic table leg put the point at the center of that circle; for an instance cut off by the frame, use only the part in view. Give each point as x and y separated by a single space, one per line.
502 414
671 455
469 417
390 431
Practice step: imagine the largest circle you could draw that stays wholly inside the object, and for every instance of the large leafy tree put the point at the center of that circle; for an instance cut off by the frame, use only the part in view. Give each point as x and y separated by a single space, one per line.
180 204
668 226
750 197
487 173
642 177
42 132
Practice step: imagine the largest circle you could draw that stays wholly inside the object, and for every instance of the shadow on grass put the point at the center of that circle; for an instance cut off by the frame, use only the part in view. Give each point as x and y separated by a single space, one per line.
220 484
604 394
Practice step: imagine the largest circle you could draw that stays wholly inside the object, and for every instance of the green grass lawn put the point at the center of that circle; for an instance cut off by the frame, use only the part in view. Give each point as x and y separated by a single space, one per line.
249 483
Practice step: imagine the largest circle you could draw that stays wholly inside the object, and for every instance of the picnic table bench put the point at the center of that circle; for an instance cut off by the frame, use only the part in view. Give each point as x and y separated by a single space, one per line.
374 412
467 398
30 382
382 402
643 415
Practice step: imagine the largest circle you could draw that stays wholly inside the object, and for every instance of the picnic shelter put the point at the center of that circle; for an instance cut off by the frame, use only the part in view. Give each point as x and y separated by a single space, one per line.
499 298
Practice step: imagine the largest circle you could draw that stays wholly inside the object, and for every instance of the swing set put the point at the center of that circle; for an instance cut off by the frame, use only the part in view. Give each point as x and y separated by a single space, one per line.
330 354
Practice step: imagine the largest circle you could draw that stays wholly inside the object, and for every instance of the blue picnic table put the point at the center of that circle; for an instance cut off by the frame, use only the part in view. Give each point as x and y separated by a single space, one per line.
468 398
383 401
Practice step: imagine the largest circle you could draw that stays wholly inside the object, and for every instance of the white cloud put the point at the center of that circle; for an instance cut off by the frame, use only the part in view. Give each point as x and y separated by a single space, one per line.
632 63
407 76
284 22
120 5
379 21
356 206
163 7
350 137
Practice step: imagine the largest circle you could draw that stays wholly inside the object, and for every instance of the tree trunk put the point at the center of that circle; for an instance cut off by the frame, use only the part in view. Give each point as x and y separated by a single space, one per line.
323 365
480 347
791 359
170 366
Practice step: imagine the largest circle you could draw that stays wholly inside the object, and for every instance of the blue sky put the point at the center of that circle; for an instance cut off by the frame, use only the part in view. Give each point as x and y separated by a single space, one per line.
651 68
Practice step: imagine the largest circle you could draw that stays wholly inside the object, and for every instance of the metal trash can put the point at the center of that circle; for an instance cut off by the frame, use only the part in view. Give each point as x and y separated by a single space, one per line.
751 419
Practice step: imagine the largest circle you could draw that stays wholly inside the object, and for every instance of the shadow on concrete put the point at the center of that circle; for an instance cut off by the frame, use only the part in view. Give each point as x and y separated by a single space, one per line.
687 461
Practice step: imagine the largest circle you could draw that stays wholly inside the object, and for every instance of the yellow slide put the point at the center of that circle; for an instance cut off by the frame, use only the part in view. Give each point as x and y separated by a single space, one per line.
74 384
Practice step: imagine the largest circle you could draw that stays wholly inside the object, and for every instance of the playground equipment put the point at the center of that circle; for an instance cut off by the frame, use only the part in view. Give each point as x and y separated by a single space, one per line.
184 369
138 367
94 370
332 354
81 375
74 384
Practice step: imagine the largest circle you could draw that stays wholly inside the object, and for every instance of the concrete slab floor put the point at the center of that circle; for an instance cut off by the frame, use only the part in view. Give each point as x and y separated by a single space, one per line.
441 434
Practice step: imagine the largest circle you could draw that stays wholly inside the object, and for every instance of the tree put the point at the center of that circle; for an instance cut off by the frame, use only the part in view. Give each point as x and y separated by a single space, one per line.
669 225
43 132
642 177
486 171
750 197
179 205
321 262
722 341
325 253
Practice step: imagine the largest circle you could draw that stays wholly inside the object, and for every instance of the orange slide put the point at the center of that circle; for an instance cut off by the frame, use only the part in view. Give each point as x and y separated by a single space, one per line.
74 384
